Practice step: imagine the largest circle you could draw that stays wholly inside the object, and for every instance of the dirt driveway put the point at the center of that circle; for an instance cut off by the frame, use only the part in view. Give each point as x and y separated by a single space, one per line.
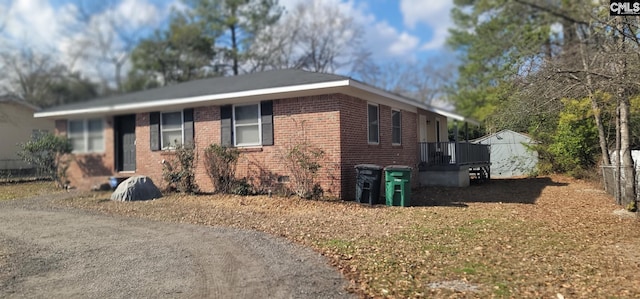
55 252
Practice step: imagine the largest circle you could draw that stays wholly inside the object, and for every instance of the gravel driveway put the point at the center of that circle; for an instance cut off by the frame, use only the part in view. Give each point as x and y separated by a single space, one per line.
53 252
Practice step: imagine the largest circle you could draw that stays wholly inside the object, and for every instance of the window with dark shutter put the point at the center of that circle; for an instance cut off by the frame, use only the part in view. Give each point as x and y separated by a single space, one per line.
154 131
188 126
226 136
266 109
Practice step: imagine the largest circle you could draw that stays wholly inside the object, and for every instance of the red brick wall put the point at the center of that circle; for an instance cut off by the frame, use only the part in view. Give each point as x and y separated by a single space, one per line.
314 119
90 169
335 123
355 145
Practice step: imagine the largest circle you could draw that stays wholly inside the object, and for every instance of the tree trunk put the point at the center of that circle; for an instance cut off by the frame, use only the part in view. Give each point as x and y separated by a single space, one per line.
602 139
234 49
617 172
626 162
628 194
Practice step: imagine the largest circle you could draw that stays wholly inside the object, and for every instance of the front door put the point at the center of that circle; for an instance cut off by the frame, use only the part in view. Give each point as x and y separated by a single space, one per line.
125 142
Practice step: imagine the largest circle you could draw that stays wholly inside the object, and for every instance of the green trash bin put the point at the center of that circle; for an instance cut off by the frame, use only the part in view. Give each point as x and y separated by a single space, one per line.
398 185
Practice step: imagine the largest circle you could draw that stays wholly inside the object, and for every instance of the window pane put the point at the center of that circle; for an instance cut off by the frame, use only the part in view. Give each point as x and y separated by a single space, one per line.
395 118
396 136
77 144
96 144
373 133
247 135
246 114
172 120
373 123
396 124
95 125
171 138
76 127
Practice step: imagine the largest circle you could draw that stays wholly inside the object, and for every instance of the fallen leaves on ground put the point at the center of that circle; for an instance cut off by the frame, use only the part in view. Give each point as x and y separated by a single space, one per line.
525 238
17 190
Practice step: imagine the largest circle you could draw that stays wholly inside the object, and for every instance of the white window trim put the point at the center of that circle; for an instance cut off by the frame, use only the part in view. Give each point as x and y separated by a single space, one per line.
400 115
233 126
369 121
162 131
85 135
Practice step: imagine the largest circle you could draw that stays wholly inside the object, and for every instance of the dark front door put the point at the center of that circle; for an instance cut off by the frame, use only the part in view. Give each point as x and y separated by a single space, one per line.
125 137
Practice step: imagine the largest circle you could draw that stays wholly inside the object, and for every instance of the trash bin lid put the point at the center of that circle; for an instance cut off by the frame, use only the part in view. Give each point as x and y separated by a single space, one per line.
368 166
398 167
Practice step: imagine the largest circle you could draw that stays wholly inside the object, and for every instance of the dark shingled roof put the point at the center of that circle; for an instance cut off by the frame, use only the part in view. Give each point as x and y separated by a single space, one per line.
211 86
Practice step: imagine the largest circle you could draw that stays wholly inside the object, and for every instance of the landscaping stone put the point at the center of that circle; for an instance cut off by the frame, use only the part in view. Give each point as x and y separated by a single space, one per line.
136 188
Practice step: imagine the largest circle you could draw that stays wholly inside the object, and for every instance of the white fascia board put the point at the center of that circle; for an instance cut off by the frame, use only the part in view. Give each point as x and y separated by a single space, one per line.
384 94
195 100
404 100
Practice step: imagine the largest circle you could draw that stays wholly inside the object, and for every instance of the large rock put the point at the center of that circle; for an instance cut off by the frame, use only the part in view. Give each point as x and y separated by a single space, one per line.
136 188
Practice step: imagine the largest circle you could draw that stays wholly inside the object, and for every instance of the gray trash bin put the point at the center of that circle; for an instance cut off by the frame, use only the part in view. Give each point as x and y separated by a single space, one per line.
368 179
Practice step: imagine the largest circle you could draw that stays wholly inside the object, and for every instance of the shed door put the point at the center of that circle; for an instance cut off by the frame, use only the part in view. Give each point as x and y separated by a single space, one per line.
125 142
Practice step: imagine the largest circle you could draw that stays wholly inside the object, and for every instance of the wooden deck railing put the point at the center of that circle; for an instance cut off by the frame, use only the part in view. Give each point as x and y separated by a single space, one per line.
452 153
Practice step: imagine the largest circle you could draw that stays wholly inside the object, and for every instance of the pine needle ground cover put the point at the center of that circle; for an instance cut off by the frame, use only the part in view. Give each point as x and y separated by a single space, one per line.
531 237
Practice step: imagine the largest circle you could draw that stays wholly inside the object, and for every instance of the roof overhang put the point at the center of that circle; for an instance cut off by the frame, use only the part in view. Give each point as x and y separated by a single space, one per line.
19 102
346 86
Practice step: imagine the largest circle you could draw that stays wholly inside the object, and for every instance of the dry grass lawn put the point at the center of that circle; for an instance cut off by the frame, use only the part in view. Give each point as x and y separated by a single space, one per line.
523 238
10 190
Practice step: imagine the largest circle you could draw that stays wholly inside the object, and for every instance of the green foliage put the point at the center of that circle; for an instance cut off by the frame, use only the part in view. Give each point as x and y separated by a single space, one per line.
234 25
70 89
573 146
48 153
241 187
632 206
497 41
221 163
181 53
179 172
302 160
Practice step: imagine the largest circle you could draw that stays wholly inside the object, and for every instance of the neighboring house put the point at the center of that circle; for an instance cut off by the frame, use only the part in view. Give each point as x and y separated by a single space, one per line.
262 114
17 125
510 153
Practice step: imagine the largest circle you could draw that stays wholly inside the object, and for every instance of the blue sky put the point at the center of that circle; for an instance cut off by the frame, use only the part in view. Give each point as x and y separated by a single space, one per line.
394 30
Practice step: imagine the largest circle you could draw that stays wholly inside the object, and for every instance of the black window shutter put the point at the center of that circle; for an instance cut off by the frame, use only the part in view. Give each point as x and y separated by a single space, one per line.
188 126
266 109
154 130
226 137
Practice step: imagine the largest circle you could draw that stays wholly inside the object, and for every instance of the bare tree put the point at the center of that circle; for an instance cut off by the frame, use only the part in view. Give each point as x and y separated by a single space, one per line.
30 74
426 81
106 40
599 58
313 36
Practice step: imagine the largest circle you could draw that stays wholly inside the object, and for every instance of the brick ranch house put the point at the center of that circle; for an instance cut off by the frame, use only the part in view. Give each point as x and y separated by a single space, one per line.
262 114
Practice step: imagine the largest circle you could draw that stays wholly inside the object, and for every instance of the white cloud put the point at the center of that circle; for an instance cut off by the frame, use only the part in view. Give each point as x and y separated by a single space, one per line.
397 44
34 22
138 13
434 14
383 40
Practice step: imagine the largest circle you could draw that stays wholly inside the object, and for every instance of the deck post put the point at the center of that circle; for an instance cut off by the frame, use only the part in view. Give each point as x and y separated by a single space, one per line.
455 136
